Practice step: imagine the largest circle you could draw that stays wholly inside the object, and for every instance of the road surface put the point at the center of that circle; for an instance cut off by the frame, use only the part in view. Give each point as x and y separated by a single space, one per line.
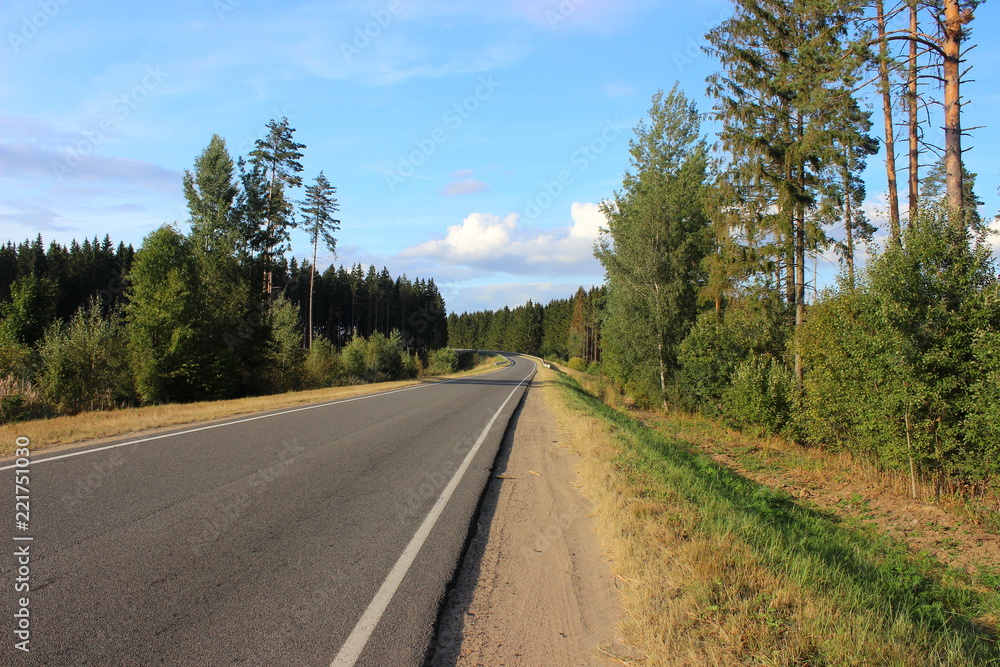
306 536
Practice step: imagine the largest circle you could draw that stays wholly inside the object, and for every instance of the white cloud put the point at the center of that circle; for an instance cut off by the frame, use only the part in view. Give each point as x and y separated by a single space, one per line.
501 244
465 187
587 221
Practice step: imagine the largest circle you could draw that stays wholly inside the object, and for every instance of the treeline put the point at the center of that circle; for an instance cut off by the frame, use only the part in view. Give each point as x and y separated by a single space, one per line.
563 329
709 303
63 277
216 312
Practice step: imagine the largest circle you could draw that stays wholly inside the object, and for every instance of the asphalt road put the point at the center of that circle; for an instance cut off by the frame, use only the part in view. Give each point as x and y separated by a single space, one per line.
260 542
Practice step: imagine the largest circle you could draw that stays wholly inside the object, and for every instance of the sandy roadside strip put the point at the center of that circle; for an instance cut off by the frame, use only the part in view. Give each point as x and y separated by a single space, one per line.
535 587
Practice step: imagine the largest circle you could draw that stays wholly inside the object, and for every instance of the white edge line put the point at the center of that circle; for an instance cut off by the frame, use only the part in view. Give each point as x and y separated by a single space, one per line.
358 639
93 450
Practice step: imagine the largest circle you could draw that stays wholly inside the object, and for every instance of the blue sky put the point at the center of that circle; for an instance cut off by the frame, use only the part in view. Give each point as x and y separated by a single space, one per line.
469 141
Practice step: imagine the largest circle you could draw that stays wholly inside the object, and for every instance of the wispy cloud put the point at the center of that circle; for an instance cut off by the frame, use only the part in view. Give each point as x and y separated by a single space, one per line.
468 186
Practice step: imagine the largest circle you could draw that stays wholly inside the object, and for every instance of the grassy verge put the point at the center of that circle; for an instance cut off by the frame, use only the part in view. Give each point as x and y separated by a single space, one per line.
718 569
89 426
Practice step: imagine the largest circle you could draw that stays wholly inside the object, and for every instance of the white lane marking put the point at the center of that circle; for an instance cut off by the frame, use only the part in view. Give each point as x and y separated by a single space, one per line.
356 641
35 462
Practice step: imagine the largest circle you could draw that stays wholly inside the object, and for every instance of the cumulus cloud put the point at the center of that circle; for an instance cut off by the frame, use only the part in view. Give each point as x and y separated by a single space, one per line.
501 243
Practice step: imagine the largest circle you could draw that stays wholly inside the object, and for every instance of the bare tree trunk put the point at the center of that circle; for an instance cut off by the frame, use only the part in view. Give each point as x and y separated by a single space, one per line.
800 285
849 227
914 183
890 137
952 49
312 282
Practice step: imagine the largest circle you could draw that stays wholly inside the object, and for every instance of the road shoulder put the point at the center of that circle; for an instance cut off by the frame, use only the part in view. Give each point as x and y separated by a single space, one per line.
535 586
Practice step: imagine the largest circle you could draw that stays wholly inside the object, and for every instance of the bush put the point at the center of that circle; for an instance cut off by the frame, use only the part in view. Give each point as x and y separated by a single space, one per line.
577 364
322 367
909 352
411 366
594 368
760 394
710 354
376 359
442 361
20 400
84 364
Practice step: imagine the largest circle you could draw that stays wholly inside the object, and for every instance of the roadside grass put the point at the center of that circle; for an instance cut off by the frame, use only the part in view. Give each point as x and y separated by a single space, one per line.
89 426
720 570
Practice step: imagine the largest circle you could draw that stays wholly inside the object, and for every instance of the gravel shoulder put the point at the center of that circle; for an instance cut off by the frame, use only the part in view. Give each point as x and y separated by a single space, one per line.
535 587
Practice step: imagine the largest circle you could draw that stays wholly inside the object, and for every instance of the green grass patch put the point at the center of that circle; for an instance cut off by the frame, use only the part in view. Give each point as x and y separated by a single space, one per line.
870 599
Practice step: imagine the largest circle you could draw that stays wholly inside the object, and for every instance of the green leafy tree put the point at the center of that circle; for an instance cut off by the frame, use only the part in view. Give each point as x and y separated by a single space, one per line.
322 366
211 193
181 306
286 352
658 237
896 367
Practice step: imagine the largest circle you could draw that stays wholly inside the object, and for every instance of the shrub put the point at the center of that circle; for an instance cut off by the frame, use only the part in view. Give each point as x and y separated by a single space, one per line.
84 364
376 359
442 361
285 353
710 354
20 400
577 364
322 367
909 352
760 394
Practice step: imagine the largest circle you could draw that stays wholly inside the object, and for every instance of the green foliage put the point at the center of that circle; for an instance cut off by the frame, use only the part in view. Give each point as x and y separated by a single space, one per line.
760 394
84 363
322 366
376 359
286 355
210 193
181 307
909 351
31 309
442 362
717 344
653 254
577 364
983 408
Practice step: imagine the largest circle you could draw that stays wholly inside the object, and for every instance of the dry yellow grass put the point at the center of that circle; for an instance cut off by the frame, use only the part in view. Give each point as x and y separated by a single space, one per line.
695 597
91 426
